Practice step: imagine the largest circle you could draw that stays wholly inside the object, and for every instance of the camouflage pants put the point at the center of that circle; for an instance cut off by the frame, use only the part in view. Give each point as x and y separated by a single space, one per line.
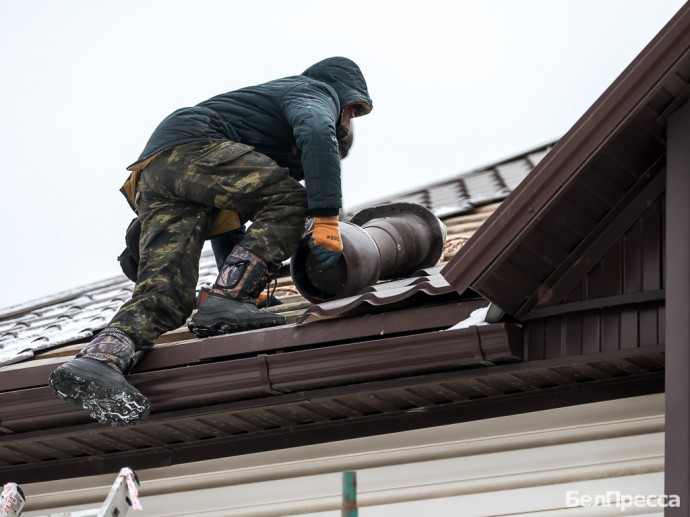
177 196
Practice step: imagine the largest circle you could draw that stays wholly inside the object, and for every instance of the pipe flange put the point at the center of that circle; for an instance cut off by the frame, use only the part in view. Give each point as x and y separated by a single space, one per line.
435 227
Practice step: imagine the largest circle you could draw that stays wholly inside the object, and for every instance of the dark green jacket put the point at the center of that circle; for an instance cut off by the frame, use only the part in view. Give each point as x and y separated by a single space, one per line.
299 112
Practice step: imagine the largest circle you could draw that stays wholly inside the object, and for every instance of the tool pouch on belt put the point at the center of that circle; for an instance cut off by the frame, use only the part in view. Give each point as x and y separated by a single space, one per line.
225 221
129 258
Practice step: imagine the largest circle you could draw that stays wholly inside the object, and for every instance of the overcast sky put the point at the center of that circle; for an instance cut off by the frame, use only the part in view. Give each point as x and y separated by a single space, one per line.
456 84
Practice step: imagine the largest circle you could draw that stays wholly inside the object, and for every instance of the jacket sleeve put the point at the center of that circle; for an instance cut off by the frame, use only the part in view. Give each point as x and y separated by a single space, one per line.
312 111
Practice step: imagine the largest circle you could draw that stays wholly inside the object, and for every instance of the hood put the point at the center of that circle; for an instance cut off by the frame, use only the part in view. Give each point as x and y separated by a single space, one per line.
345 77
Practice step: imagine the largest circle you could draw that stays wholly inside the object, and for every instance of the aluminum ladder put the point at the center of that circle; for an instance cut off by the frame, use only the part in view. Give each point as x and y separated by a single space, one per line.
123 495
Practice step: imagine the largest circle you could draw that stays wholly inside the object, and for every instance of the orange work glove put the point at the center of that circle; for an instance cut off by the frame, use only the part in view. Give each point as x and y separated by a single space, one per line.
325 242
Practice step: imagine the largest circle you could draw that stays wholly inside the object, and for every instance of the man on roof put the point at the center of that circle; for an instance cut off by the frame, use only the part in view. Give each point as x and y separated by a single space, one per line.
207 169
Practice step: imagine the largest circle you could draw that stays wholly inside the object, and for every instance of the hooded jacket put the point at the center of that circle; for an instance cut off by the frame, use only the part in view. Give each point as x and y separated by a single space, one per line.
299 112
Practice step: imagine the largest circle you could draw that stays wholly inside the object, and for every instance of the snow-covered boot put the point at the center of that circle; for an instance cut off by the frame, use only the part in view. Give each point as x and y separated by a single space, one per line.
94 380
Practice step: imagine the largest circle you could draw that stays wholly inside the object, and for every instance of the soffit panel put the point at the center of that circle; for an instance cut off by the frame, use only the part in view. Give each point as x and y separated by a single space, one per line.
328 414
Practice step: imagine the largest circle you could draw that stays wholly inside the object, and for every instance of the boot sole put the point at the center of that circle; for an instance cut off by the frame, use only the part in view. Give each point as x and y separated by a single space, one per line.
101 391
220 328
220 315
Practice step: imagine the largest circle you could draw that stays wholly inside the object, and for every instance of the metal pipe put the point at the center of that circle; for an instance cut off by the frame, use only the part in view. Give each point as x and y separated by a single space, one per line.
349 504
379 243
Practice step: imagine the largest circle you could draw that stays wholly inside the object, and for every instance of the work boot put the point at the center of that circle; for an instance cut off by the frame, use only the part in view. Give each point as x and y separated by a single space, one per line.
94 381
231 305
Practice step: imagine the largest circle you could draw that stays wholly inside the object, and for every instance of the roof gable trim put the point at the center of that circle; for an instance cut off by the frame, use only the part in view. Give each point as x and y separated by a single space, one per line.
530 201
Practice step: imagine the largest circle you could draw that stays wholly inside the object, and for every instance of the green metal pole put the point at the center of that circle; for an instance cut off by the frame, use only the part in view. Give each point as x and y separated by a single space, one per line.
349 508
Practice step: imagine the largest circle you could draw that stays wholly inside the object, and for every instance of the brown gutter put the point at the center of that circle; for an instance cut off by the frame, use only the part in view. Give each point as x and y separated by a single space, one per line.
284 338
394 357
264 375
523 209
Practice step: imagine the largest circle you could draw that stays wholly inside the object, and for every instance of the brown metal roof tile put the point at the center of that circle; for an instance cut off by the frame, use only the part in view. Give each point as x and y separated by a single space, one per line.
75 315
468 190
387 293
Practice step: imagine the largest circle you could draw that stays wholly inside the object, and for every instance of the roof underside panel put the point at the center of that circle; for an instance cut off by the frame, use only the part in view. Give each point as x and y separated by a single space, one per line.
592 331
634 263
314 416
525 278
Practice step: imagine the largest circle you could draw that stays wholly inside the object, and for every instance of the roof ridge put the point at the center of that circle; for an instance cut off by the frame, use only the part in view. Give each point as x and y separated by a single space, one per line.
455 177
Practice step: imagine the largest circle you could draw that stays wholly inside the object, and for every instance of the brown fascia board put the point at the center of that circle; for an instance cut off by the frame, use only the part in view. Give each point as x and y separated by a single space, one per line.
530 201
34 374
246 378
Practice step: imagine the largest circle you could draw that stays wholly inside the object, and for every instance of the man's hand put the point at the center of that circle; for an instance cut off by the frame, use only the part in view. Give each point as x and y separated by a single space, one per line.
325 242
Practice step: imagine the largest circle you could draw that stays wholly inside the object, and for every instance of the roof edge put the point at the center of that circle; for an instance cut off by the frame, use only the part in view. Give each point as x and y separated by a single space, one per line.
261 376
600 123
